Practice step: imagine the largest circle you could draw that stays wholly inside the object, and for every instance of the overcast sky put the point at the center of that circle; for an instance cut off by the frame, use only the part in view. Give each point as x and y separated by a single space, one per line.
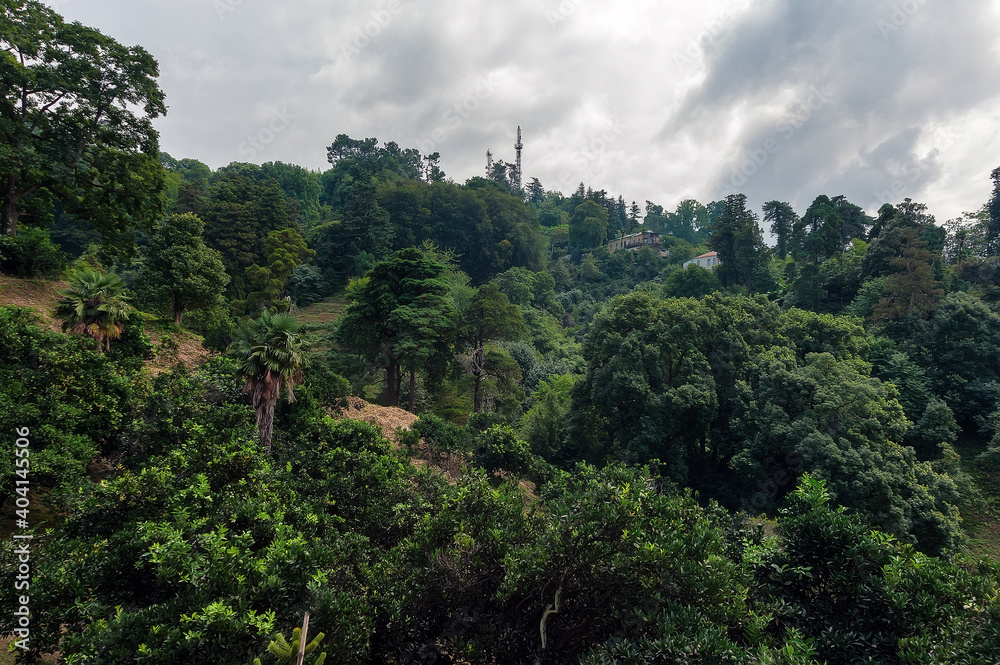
780 99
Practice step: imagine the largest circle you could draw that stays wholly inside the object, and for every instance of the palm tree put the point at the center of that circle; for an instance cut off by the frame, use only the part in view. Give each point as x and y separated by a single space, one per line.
271 354
94 305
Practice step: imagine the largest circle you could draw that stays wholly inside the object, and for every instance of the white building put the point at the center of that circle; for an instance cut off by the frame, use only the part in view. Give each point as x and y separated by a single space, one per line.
709 260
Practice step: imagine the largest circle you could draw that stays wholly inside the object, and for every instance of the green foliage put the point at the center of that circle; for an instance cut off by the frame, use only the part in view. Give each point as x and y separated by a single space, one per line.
588 227
782 218
935 426
287 652
960 351
911 288
500 448
862 597
817 236
545 426
284 250
740 244
441 435
270 354
691 282
94 305
178 271
400 318
239 213
737 398
77 122
306 285
835 422
30 254
491 316
76 404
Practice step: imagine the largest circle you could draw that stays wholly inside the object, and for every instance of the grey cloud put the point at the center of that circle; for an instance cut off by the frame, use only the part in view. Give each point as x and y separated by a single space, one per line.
891 67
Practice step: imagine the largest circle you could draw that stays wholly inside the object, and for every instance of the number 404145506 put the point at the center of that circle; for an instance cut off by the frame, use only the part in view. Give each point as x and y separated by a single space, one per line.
22 466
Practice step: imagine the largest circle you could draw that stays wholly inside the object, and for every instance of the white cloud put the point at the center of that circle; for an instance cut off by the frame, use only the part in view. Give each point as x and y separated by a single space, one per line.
649 100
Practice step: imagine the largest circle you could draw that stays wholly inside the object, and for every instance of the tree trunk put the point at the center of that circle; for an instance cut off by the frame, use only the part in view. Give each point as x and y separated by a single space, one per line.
8 212
178 311
390 397
478 360
265 425
413 391
475 395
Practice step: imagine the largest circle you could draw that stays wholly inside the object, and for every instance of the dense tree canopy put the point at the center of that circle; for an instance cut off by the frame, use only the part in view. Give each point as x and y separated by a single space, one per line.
788 458
76 116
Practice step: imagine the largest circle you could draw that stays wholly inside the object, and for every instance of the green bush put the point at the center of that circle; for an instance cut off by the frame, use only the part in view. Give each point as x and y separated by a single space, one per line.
77 404
500 448
441 435
31 253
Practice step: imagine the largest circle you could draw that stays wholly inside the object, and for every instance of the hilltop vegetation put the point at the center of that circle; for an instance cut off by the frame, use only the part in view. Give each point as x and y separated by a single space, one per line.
621 459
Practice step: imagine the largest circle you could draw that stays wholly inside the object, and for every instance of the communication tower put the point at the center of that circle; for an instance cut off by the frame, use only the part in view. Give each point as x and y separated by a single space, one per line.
517 147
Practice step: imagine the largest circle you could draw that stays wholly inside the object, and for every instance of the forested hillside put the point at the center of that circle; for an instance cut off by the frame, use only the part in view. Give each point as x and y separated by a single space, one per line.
789 457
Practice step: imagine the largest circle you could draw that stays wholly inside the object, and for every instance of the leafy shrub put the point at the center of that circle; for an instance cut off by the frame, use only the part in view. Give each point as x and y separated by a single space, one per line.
500 448
442 435
482 421
863 597
31 253
306 285
134 346
76 403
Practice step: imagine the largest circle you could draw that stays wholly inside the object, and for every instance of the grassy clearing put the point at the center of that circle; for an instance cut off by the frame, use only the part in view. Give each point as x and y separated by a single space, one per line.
323 314
982 522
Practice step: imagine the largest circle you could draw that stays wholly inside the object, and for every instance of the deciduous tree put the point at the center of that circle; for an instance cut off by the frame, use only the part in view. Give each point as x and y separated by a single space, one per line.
489 316
76 111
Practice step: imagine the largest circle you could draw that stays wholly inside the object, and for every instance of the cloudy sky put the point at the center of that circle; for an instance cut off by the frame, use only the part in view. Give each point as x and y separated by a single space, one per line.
779 99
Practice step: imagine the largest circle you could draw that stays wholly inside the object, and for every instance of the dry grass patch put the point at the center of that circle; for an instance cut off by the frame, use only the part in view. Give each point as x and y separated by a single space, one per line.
38 295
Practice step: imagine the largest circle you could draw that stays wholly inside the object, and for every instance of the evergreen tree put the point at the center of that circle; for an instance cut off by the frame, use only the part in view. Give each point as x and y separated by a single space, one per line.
400 317
536 193
239 213
911 289
634 212
740 244
489 316
588 227
178 270
993 208
782 218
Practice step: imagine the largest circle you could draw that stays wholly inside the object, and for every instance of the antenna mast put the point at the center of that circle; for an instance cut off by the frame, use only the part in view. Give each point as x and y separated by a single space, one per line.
489 164
517 147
